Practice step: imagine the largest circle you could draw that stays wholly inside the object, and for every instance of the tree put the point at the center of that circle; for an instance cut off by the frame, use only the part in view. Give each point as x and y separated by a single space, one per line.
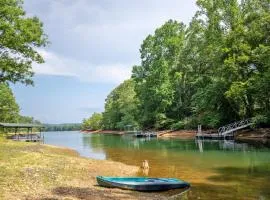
94 122
28 120
121 107
9 109
209 104
63 127
20 35
154 78
213 72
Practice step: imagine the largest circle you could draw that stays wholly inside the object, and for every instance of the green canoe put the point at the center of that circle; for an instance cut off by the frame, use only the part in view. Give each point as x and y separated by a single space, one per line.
141 183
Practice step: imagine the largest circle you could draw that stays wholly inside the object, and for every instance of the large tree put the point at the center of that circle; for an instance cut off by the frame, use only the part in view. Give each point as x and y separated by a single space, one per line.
213 72
235 51
154 78
20 36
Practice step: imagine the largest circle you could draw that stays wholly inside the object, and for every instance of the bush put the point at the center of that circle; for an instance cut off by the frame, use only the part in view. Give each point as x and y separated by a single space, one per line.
162 122
187 123
178 125
260 120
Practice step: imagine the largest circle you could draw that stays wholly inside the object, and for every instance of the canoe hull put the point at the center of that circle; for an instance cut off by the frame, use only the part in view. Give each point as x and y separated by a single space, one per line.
149 184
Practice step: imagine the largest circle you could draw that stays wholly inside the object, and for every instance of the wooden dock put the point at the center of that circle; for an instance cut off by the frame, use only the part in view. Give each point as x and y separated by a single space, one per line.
225 132
145 134
26 137
214 137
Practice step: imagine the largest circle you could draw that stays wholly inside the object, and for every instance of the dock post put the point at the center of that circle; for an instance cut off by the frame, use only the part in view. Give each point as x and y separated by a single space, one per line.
199 130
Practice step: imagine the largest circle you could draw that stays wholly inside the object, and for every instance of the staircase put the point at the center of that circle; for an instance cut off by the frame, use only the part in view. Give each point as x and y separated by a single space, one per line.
230 128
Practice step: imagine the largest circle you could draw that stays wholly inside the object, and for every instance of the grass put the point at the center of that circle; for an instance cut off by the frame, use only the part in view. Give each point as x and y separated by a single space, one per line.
36 171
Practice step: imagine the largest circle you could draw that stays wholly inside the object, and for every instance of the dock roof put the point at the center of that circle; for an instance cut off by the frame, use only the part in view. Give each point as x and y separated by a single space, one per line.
18 125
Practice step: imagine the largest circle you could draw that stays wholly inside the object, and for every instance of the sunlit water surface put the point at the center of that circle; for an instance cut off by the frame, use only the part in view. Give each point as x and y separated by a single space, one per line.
215 169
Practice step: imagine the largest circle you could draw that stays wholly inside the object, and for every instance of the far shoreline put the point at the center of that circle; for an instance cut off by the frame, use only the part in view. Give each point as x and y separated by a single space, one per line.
258 135
103 132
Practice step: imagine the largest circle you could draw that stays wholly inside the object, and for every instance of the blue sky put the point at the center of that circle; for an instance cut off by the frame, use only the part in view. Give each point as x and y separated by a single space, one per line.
94 44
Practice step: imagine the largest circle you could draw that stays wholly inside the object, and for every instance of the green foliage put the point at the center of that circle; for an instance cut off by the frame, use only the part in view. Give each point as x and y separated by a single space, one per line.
121 107
154 84
186 123
20 35
260 119
212 72
94 122
177 125
28 120
63 127
9 109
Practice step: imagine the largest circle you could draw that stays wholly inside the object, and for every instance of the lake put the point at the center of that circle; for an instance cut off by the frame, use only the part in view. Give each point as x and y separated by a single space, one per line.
215 169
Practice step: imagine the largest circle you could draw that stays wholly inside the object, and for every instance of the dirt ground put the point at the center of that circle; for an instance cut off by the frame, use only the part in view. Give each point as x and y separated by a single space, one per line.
256 137
40 172
182 134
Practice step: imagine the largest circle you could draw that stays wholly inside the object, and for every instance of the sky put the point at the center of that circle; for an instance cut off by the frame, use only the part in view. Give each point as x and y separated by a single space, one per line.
93 46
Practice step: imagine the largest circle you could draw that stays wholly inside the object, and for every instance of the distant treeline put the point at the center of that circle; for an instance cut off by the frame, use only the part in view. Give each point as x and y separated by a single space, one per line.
214 71
62 127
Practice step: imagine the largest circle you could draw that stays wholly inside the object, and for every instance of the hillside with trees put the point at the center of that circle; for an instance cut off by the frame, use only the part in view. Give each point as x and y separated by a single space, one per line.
214 71
62 127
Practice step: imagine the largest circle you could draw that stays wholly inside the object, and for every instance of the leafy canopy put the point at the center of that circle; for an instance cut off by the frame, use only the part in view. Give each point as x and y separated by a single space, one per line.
20 36
94 122
9 109
212 72
121 107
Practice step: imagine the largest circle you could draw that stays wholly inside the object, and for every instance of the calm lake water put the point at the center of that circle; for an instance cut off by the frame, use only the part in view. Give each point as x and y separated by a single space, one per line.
215 169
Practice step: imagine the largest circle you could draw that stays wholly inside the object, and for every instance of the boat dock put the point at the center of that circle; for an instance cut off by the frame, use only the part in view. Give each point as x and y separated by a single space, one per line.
225 132
26 137
145 134
215 136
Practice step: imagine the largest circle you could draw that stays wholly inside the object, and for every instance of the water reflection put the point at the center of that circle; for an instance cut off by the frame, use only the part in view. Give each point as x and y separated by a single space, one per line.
145 172
73 140
224 145
215 169
99 142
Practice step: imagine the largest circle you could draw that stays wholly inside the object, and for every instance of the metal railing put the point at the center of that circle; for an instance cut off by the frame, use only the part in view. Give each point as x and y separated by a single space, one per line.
224 130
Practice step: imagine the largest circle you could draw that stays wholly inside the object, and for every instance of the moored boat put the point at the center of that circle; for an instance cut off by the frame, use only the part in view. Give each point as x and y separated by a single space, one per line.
141 183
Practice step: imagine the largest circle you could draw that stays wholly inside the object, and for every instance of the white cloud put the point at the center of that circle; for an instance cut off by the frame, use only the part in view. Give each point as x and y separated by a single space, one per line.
105 31
95 41
84 71
99 40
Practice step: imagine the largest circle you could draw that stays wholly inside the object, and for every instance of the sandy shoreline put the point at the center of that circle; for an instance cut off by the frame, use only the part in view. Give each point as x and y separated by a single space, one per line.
181 134
255 137
41 172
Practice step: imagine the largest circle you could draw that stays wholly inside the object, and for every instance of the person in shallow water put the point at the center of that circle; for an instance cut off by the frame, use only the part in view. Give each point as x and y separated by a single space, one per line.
145 167
145 164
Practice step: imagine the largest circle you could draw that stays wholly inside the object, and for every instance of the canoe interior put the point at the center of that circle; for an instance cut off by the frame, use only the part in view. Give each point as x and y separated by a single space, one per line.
141 183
